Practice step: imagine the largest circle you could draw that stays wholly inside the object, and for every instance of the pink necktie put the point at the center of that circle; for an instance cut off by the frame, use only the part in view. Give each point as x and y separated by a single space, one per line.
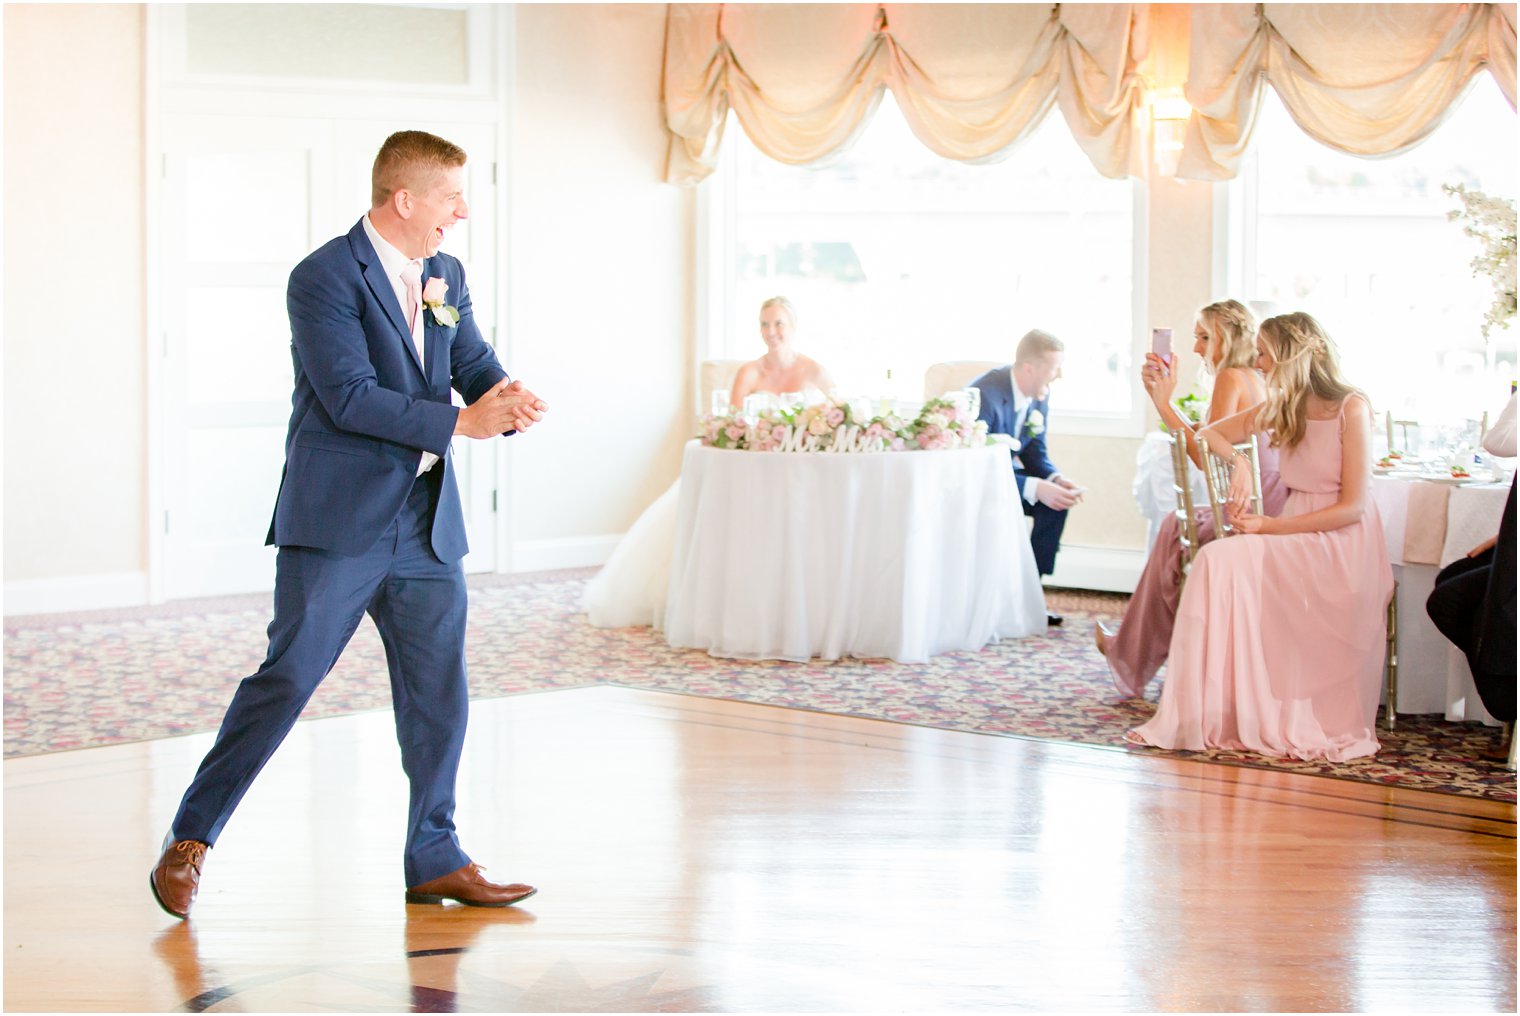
412 276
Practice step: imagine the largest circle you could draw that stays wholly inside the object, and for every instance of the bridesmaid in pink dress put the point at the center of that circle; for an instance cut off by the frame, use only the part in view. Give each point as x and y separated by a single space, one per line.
1224 335
1278 645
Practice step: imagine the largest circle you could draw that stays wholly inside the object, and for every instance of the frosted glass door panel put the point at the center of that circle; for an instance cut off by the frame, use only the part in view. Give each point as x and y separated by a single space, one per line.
248 206
363 42
238 344
243 198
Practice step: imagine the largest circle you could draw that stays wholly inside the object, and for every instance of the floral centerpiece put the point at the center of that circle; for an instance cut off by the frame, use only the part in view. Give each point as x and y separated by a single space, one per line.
1491 221
840 426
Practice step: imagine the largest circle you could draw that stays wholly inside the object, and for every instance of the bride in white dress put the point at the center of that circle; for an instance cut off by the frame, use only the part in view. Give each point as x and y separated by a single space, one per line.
630 589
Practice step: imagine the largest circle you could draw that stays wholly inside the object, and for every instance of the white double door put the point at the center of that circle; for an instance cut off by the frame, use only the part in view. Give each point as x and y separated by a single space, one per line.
244 199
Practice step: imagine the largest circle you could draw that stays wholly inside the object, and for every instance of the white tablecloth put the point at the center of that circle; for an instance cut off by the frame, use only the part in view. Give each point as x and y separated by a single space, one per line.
1153 488
900 555
1433 675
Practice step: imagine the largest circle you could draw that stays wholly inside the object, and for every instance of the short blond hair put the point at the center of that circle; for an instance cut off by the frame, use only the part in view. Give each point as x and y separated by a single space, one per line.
408 160
1036 344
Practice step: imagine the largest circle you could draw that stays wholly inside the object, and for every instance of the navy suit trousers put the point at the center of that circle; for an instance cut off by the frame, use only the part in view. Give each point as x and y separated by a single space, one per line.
1045 537
418 605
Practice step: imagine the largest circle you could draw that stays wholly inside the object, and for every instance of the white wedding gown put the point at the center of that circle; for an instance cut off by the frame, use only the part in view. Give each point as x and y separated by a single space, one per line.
629 591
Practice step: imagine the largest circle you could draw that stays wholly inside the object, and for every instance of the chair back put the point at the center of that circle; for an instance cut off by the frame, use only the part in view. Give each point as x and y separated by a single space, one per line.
1187 518
1401 428
715 376
1216 476
953 375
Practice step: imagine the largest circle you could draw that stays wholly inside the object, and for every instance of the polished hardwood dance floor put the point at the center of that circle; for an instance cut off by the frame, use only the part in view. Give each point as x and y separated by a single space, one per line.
703 855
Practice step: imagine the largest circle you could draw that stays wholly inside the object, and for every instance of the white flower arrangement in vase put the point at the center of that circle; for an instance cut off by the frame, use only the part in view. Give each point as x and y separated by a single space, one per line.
1491 221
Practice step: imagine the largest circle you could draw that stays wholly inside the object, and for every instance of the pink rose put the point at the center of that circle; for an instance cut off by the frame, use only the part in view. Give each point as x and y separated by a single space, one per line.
435 290
734 431
835 416
897 444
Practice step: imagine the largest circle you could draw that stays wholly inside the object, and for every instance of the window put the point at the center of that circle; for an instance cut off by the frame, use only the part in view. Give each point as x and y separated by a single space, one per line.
1365 246
897 259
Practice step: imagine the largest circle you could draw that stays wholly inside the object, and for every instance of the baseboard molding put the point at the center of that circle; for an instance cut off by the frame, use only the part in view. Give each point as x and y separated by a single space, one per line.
1102 568
78 592
567 552
1106 569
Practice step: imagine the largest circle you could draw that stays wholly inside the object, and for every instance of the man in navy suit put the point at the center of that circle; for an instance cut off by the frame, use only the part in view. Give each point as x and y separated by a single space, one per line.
368 516
1016 402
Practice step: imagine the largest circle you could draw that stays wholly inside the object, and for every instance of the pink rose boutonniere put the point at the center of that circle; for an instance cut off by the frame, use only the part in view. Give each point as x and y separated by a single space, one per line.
433 295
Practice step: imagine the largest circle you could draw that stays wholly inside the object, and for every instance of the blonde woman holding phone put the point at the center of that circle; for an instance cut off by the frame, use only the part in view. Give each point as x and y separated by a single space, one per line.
1224 336
1278 647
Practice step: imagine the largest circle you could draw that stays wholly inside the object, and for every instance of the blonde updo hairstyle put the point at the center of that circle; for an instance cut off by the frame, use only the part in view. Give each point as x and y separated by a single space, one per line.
1304 363
785 305
1232 335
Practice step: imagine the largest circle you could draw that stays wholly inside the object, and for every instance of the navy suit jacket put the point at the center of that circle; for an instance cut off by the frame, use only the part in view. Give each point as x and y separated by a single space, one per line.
997 410
363 412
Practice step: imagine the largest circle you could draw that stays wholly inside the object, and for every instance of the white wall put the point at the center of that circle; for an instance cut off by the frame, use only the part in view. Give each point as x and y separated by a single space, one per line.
600 276
598 264
75 345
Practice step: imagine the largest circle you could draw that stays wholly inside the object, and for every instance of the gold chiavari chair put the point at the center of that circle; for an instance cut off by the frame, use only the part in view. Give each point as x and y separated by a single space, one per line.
1389 424
1391 662
1187 518
1216 476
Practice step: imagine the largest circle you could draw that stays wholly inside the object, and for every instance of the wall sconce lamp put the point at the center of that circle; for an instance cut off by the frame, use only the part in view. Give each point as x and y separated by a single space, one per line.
1169 118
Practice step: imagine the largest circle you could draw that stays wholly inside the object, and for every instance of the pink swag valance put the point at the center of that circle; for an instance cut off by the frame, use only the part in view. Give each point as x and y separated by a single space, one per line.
973 80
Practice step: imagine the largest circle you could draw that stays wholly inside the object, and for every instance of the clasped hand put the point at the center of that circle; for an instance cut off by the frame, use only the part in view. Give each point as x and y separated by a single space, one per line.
507 406
1057 492
1237 504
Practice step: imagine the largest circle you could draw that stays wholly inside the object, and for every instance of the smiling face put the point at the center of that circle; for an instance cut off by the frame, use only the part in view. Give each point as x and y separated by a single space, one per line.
1201 340
1264 357
1034 376
431 210
776 327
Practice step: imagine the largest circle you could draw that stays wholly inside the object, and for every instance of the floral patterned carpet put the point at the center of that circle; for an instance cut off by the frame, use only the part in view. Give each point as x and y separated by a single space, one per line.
113 676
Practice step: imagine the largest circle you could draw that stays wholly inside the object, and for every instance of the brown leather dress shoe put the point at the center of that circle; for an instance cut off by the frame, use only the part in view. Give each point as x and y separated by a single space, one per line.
177 876
467 886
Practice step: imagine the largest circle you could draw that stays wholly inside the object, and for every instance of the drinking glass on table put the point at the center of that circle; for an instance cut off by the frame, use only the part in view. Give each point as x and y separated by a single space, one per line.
720 404
973 397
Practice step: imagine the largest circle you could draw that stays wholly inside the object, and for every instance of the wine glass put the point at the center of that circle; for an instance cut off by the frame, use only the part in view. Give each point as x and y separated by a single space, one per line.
973 402
720 404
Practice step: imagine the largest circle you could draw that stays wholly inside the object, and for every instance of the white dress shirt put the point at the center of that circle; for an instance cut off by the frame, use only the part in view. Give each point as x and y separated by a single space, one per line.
1021 406
393 261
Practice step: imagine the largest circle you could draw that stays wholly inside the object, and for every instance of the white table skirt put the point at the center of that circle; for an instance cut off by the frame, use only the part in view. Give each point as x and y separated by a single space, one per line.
1433 674
899 555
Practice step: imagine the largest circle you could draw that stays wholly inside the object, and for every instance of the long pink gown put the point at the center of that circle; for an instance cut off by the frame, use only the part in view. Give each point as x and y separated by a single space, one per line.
1278 644
1140 646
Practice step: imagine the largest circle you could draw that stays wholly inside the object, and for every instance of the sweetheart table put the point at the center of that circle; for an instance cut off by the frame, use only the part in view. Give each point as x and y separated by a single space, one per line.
900 555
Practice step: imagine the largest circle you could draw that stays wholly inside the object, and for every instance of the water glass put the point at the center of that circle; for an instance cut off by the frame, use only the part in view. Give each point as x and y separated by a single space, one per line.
973 401
720 404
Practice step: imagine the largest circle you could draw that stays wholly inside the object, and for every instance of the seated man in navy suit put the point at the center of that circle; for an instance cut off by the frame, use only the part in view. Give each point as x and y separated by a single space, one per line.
1016 402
